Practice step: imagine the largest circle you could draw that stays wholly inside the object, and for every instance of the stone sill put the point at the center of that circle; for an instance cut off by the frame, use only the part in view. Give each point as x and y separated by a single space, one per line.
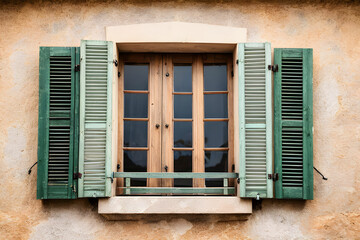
122 207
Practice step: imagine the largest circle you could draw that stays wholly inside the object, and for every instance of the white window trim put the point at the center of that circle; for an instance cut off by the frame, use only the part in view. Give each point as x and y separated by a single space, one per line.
182 38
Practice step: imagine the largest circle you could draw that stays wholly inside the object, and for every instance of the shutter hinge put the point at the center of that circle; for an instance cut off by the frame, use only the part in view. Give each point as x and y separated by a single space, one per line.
274 68
274 176
232 73
77 68
119 74
115 62
237 61
77 175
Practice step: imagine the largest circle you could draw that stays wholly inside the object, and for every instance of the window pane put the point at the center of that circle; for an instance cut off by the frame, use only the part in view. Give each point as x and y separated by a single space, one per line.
182 106
215 78
136 105
182 134
182 79
136 161
135 133
216 105
215 161
136 77
183 163
216 134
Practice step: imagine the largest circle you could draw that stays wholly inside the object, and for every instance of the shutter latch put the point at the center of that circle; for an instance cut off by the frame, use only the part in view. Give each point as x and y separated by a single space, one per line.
77 68
274 68
274 176
77 175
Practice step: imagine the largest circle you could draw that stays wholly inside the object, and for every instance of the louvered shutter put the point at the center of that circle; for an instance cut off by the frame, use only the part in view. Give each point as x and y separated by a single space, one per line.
58 123
95 118
293 123
255 116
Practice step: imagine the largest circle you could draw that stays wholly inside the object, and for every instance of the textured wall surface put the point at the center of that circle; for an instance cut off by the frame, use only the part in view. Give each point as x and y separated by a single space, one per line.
331 29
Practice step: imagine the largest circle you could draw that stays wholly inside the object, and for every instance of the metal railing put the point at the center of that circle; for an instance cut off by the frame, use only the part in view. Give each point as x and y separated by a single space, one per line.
225 190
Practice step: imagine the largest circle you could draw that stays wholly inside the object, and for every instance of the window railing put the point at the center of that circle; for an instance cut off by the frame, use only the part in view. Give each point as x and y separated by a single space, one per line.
129 190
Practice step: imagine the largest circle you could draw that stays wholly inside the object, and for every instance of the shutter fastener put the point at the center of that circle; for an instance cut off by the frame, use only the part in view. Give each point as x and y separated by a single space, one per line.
274 68
274 176
77 68
77 175
115 62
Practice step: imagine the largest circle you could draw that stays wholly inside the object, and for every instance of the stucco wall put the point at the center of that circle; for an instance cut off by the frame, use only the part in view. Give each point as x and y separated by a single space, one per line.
331 30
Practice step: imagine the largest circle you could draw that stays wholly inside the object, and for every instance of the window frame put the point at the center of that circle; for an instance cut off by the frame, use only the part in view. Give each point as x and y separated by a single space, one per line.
160 64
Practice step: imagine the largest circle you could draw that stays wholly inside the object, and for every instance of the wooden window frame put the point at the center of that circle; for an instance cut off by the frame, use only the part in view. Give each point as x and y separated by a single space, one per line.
160 111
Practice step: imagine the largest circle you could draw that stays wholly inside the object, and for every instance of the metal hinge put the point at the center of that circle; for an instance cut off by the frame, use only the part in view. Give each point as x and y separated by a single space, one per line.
237 61
274 176
77 68
115 62
274 68
77 175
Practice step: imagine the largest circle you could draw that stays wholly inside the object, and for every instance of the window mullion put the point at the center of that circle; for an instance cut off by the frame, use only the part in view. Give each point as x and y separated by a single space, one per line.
198 117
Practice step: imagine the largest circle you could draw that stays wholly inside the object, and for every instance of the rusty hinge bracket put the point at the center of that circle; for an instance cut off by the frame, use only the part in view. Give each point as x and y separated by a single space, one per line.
77 68
274 176
274 68
77 175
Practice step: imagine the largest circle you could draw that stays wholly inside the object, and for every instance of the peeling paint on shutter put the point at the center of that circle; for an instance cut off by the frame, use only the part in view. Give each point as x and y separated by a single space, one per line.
95 114
293 123
255 115
58 123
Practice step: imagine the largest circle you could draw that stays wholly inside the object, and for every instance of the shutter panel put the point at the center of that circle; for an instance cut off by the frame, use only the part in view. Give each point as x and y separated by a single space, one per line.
255 116
58 123
95 118
293 123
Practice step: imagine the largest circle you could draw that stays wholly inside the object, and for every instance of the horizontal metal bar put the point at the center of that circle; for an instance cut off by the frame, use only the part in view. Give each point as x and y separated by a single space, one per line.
174 175
143 190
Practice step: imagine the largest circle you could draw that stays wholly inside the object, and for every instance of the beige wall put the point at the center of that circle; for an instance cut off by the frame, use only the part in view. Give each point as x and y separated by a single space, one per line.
331 30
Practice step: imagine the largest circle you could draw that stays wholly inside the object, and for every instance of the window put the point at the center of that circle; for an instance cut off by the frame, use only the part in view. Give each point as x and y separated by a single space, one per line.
171 123
175 115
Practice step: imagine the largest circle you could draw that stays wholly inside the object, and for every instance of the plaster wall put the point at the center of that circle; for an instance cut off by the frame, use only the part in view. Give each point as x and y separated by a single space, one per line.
331 29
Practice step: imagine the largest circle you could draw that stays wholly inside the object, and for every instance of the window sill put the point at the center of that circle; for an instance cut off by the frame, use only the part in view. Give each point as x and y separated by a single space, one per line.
143 205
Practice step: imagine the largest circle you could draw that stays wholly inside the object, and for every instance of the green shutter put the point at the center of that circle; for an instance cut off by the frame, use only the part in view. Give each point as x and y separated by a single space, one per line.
95 118
255 116
58 123
293 123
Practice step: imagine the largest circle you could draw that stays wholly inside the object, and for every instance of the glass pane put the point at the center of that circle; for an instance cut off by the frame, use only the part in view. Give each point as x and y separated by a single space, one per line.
182 106
216 134
183 163
135 133
182 134
215 78
136 77
215 161
136 161
182 79
216 105
136 105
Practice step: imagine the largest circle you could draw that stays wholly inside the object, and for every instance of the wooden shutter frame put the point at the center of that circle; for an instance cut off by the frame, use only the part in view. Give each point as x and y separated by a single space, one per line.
307 124
68 191
268 125
108 159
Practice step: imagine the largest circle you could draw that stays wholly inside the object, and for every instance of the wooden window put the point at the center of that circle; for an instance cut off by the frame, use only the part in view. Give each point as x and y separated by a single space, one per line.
175 115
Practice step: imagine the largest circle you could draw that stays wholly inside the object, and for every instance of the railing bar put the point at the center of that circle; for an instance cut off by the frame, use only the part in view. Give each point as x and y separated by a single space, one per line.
175 175
153 190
